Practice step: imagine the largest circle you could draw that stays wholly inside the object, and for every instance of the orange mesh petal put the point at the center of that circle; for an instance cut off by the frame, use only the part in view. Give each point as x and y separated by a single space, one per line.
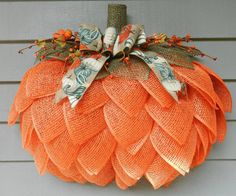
203 111
94 98
37 150
135 147
22 101
175 120
73 173
45 78
171 179
221 125
52 168
224 94
128 94
126 130
212 138
219 104
105 176
121 173
13 114
120 184
199 156
202 146
136 165
219 87
157 91
61 150
33 142
179 157
159 172
198 79
203 135
94 154
82 127
26 127
41 158
48 118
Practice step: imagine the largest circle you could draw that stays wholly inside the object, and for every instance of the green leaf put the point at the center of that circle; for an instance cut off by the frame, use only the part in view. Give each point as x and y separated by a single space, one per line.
61 43
41 43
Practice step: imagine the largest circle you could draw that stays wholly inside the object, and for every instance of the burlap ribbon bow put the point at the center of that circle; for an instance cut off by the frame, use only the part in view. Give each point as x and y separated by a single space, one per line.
109 47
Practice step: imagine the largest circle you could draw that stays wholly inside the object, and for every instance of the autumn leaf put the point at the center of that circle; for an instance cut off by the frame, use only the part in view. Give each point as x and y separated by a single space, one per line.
41 43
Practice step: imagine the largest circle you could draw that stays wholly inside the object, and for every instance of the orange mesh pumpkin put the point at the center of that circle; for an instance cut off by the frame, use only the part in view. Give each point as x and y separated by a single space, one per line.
122 129
127 125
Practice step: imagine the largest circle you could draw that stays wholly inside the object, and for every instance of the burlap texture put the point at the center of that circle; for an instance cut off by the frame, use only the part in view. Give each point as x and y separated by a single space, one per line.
123 128
135 69
117 16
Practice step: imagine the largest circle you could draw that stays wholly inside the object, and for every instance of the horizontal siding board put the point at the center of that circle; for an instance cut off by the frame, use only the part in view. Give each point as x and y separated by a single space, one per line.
11 148
9 90
203 18
214 178
7 95
223 50
13 64
226 149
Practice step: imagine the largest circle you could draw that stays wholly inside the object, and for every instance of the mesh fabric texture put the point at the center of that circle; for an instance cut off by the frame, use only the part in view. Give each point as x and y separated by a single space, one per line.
123 129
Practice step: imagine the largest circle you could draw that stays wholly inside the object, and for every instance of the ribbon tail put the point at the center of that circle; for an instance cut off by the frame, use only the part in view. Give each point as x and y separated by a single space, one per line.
162 70
76 81
173 86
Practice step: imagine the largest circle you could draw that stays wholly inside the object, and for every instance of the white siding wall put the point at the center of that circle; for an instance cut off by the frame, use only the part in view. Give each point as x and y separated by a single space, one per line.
21 21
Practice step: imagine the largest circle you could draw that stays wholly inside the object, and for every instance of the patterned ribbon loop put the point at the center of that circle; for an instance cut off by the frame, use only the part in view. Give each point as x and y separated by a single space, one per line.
126 40
77 81
109 40
90 37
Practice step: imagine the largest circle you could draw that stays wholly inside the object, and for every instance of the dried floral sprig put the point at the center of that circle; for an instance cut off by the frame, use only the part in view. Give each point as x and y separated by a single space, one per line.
65 45
177 42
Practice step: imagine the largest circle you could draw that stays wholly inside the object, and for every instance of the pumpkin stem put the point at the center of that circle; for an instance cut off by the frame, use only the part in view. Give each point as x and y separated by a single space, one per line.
117 16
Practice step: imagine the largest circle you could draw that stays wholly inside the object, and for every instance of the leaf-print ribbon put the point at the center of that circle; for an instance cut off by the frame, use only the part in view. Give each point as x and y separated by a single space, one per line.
76 81
161 69
113 46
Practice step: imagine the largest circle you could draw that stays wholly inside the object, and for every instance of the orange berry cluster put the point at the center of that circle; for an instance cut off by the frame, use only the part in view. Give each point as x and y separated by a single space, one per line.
62 34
